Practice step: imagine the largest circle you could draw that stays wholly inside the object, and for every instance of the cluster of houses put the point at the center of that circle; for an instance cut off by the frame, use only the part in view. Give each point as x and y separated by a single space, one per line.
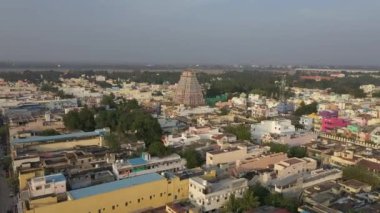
75 170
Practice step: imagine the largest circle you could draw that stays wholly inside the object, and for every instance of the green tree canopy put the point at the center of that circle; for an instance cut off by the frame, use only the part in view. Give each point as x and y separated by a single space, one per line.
306 109
242 132
361 174
112 141
238 205
48 132
80 120
158 149
193 158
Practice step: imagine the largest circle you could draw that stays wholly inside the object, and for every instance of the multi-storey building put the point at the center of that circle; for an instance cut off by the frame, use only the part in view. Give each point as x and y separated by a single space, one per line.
211 193
294 166
331 124
231 154
147 164
47 185
280 127
134 194
59 142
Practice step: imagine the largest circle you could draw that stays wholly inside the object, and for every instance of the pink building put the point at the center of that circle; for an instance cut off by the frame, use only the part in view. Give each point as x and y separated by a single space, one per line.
330 124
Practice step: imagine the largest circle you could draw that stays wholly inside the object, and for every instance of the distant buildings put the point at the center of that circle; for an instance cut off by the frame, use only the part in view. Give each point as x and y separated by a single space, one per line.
188 91
280 127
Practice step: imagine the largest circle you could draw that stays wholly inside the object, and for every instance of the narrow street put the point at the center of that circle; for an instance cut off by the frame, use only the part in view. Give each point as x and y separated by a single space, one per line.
5 200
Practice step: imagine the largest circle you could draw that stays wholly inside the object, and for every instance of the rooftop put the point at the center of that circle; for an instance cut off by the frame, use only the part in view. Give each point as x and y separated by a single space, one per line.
137 161
292 161
112 186
354 183
55 178
64 137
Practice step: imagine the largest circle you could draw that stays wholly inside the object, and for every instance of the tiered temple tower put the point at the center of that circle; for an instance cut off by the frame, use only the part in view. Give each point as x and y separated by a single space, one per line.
189 92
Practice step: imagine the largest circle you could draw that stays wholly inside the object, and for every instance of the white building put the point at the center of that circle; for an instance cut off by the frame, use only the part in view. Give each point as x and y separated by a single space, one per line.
295 184
368 88
210 194
307 122
146 164
294 166
183 139
280 127
375 135
47 185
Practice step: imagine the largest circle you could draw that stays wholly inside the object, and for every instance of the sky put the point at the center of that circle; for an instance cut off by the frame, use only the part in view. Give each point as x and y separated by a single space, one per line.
260 32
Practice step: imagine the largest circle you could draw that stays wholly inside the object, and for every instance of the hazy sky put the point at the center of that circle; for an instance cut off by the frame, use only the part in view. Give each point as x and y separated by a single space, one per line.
344 32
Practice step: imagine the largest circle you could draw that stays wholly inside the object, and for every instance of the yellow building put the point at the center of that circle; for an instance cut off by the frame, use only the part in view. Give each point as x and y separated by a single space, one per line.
60 142
25 174
228 155
128 195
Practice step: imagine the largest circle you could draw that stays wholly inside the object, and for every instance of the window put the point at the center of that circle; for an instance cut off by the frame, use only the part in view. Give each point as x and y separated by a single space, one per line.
126 203
138 200
170 194
113 207
38 187
47 186
161 194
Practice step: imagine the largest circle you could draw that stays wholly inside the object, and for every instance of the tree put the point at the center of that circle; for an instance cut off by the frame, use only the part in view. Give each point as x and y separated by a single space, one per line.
232 205
259 191
306 109
48 132
249 201
112 141
193 158
224 111
361 174
278 200
6 162
157 149
108 100
238 205
376 95
276 147
146 127
4 131
86 119
83 120
297 151
71 120
242 131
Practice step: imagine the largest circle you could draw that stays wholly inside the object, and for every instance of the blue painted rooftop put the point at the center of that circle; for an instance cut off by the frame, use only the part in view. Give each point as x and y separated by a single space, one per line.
115 185
55 178
137 161
64 137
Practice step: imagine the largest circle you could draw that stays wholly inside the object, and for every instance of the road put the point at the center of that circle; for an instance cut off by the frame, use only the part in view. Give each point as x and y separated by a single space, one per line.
5 200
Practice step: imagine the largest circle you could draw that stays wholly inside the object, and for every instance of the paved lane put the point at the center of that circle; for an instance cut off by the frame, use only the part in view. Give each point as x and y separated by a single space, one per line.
5 200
